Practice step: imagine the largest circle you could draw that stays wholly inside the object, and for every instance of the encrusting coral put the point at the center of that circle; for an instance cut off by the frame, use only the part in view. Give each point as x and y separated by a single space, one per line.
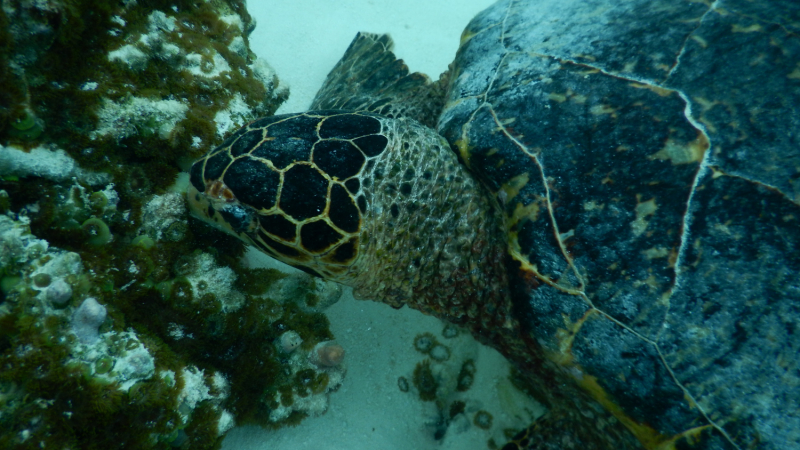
117 311
87 320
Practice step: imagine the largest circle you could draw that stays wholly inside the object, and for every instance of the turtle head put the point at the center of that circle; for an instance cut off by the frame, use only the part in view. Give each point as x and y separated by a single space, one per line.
289 185
380 204
217 205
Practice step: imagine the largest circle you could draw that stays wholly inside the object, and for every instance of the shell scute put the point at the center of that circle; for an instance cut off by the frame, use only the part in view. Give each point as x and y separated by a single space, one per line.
339 159
253 183
372 145
283 151
343 211
349 126
274 247
196 176
216 165
304 192
246 142
298 127
280 226
344 253
318 236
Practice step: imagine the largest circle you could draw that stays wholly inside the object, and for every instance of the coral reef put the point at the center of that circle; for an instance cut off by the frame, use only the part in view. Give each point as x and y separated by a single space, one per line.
113 85
139 325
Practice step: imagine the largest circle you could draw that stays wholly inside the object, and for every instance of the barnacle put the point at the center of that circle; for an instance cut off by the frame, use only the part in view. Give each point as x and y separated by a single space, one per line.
327 354
103 365
402 384
41 280
27 126
440 353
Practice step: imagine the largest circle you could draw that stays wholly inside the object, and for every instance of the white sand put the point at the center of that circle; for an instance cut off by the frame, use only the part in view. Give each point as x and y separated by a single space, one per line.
302 40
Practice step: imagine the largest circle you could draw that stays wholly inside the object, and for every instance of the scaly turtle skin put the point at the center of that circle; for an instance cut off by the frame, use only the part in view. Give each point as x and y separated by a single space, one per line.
642 187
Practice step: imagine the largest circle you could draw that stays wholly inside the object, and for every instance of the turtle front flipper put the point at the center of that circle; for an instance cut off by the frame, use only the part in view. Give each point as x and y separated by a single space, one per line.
369 77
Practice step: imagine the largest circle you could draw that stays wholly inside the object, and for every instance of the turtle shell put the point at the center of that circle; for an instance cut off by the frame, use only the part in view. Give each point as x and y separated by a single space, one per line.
647 158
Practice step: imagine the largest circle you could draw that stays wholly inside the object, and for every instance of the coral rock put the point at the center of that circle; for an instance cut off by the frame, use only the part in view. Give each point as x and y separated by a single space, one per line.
59 292
87 319
289 341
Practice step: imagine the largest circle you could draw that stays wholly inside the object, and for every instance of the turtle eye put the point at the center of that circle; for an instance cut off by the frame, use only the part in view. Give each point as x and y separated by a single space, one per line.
238 217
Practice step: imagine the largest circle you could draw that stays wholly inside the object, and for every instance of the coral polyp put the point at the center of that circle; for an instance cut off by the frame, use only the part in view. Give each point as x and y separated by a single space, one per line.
26 126
327 354
424 342
96 231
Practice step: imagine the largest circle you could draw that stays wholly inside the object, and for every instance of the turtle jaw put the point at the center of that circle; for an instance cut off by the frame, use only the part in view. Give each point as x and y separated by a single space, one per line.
224 214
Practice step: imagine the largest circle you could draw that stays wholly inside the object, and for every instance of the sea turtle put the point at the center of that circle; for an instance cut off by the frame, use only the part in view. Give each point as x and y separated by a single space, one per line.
611 200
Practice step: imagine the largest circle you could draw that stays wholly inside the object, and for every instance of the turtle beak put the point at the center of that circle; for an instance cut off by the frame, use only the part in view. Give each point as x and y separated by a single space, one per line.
229 217
199 204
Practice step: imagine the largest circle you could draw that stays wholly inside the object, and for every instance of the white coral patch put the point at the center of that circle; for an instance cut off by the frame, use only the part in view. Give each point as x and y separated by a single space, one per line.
158 21
89 86
264 73
233 19
136 364
118 20
225 423
207 277
17 245
236 115
136 115
203 67
130 55
238 46
195 390
48 162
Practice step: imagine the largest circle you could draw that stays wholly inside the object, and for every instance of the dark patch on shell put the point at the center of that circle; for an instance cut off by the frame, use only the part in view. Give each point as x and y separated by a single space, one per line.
318 236
348 126
372 145
343 211
253 183
339 159
304 192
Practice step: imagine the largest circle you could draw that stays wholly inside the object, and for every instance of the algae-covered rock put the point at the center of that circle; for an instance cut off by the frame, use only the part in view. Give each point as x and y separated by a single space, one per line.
121 84
117 311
